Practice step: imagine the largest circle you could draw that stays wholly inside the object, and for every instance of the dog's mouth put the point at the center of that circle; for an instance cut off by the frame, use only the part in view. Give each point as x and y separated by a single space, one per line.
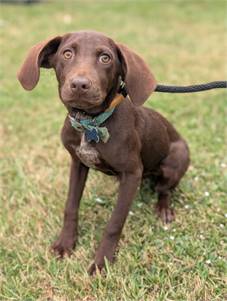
85 106
82 101
85 102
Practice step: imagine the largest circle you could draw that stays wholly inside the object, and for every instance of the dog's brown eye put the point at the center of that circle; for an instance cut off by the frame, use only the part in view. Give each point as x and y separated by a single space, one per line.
67 54
104 58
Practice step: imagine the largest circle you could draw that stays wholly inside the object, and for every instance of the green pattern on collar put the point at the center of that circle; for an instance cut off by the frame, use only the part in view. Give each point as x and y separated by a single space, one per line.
91 127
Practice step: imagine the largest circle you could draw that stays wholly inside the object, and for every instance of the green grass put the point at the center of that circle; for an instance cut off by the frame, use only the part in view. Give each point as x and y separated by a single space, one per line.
184 43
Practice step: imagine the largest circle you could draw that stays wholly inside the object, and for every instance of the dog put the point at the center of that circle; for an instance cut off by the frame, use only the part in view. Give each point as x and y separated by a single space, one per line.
103 85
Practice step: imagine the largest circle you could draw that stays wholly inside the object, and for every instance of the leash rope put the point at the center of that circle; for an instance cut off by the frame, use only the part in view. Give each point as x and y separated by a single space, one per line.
191 88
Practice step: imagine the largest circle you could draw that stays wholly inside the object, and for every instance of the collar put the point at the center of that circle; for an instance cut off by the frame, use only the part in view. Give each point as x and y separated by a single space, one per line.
91 125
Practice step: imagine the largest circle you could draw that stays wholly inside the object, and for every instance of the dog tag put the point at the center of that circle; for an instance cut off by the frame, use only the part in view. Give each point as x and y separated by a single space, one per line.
92 135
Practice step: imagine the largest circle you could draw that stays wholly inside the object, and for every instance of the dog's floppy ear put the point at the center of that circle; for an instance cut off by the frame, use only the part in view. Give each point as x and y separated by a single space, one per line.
140 82
38 56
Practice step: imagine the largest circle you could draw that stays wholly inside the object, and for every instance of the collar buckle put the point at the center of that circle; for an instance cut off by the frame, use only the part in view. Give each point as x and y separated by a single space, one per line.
122 88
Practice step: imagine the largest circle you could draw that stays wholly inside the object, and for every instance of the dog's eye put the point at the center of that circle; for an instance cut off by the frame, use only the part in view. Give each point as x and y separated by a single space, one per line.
67 54
105 58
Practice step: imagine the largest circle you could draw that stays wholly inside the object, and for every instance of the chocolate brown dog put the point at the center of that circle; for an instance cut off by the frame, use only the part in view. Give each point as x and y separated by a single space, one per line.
137 142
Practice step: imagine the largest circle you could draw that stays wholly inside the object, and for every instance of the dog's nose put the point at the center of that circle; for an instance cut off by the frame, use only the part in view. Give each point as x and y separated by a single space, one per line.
80 84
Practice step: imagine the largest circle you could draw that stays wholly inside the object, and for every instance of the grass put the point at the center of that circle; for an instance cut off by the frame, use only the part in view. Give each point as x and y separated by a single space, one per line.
184 43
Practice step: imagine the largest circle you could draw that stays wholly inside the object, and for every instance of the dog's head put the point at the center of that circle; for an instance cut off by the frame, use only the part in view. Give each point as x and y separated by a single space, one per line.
88 66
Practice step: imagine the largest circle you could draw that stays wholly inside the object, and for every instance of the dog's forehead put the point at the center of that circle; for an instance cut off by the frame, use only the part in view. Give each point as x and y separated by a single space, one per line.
88 38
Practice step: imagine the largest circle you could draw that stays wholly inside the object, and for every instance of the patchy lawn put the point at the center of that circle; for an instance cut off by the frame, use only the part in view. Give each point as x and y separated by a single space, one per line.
184 43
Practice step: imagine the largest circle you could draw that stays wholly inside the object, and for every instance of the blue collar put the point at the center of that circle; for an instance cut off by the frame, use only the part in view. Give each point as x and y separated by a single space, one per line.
91 126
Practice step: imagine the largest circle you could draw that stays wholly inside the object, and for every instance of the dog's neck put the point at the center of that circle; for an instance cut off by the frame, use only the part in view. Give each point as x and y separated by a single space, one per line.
92 126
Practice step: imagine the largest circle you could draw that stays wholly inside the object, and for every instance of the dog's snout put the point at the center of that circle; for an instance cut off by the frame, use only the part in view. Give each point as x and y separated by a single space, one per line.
80 84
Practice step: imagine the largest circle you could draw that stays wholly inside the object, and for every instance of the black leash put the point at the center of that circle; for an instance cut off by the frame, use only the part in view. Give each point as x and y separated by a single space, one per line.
192 88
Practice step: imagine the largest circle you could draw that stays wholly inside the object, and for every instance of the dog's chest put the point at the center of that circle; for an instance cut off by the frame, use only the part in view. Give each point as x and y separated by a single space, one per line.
87 154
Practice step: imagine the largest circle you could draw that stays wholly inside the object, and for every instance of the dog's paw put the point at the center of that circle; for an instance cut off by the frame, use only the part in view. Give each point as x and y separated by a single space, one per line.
165 214
95 268
63 246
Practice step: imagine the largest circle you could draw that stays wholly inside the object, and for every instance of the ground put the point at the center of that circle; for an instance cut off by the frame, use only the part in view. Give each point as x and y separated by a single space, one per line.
184 43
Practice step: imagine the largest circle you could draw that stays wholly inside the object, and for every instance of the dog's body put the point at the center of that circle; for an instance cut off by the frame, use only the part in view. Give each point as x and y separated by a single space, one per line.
142 143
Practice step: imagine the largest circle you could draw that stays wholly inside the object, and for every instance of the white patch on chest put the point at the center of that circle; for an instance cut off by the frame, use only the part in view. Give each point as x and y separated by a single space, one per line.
87 154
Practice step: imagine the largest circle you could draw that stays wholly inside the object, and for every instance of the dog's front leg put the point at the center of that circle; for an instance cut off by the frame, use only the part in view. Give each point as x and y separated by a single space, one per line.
129 182
68 236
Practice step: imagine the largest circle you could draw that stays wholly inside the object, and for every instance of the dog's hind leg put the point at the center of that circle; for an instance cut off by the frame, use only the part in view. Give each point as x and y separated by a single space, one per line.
173 167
